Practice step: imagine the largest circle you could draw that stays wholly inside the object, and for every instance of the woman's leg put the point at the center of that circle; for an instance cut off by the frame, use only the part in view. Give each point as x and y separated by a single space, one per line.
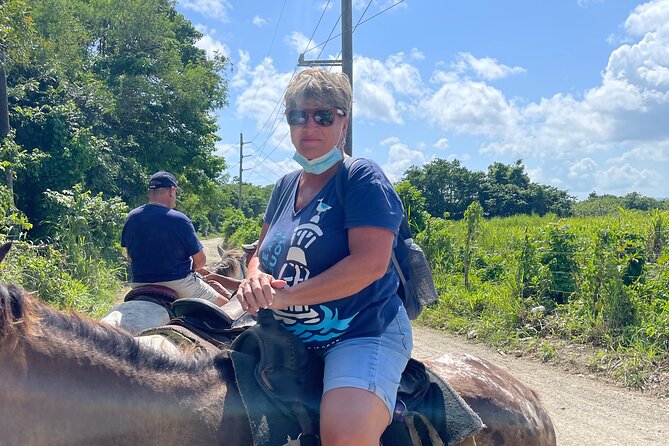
360 384
352 416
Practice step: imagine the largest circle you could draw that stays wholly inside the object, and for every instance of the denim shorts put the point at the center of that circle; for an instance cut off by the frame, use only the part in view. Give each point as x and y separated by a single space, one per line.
371 363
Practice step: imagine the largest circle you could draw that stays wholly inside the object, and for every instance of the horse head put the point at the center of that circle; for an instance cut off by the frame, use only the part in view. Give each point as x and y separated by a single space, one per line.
232 263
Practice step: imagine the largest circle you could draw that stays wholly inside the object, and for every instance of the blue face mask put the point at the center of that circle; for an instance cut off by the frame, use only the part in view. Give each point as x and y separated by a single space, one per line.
319 165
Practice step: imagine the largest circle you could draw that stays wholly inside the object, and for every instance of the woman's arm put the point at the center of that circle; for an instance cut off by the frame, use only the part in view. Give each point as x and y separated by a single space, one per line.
370 249
257 290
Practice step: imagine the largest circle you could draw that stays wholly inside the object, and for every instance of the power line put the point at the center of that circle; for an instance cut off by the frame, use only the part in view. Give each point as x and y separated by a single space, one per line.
276 28
291 77
275 115
357 24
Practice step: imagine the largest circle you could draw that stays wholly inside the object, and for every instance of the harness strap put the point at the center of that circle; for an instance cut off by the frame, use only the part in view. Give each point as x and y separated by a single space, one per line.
409 419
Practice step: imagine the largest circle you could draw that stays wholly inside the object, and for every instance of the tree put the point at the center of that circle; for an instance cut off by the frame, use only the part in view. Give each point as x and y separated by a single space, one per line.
474 220
447 186
414 205
503 190
15 39
110 93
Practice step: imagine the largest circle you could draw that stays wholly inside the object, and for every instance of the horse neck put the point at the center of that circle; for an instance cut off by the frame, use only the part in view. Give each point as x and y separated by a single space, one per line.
58 388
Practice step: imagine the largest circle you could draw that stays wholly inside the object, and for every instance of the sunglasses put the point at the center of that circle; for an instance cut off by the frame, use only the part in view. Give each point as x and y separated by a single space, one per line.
324 118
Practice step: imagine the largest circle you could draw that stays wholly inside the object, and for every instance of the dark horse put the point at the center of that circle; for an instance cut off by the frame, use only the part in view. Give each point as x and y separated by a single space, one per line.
66 379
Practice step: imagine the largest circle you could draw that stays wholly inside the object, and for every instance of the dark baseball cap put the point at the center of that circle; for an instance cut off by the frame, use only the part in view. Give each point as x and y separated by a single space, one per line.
162 179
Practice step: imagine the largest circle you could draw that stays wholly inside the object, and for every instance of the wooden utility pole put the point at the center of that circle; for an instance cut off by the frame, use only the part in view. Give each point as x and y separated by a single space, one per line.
346 62
241 158
4 122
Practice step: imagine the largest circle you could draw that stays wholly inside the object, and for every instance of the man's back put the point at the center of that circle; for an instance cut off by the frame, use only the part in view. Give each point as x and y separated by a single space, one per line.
160 243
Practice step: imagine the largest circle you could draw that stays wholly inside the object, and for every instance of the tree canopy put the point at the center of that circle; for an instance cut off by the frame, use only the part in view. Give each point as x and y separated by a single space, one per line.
504 190
104 94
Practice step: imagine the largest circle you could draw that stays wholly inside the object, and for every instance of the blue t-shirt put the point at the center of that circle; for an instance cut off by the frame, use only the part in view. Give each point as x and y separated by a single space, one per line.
300 245
160 243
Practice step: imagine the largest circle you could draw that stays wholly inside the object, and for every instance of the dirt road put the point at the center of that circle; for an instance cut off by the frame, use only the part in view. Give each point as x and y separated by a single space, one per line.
585 411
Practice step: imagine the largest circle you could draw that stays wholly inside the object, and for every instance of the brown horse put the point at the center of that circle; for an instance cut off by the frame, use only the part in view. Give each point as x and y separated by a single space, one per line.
66 379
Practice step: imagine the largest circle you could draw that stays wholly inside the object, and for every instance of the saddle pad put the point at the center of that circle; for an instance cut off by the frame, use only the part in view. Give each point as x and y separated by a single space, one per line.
461 420
183 338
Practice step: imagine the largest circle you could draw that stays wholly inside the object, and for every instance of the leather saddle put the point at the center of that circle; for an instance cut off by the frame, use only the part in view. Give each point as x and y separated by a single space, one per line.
280 381
281 385
158 294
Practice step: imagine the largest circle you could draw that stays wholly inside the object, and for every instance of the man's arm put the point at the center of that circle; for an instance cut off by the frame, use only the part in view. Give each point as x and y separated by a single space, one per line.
199 260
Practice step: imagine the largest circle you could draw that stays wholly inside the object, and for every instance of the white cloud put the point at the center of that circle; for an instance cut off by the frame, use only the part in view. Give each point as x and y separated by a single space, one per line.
241 70
582 168
536 175
379 87
485 68
586 3
400 158
210 45
442 143
219 9
299 42
261 101
654 152
259 21
625 178
228 151
649 17
471 107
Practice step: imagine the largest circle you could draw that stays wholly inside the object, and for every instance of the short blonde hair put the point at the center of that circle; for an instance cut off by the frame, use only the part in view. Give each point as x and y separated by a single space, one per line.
319 86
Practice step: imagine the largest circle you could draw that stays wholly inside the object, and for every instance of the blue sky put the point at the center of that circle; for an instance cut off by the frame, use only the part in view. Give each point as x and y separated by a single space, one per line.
577 89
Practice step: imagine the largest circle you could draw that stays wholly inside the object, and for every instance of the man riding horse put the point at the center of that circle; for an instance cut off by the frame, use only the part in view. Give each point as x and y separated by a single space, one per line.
163 247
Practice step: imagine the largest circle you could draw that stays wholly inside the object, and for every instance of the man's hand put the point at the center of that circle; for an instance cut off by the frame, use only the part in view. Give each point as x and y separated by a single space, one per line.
223 294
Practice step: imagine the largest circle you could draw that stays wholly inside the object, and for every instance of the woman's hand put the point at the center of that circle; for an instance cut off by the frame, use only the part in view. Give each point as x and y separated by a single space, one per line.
259 290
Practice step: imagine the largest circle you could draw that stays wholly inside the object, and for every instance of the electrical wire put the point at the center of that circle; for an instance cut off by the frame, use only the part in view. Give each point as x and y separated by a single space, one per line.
276 116
276 28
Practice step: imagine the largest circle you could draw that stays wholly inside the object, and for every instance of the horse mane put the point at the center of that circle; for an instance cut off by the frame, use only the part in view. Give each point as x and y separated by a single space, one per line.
24 318
232 263
17 313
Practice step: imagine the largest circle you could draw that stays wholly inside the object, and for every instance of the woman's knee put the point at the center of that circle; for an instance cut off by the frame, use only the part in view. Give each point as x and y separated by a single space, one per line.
352 416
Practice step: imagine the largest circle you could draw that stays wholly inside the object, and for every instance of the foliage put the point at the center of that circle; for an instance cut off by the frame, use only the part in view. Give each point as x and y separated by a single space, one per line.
598 280
504 190
238 229
87 225
13 224
473 219
109 93
414 205
599 205
50 274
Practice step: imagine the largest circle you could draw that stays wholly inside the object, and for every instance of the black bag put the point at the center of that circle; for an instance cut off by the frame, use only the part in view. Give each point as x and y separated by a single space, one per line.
416 287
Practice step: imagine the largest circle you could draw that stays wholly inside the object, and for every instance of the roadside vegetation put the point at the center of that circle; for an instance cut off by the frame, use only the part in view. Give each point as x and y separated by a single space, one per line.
544 285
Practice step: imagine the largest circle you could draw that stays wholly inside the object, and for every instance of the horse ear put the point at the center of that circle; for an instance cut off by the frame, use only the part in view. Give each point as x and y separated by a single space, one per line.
4 249
221 251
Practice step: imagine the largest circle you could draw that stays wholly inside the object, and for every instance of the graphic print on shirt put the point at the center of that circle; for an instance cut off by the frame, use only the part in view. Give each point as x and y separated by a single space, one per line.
304 321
